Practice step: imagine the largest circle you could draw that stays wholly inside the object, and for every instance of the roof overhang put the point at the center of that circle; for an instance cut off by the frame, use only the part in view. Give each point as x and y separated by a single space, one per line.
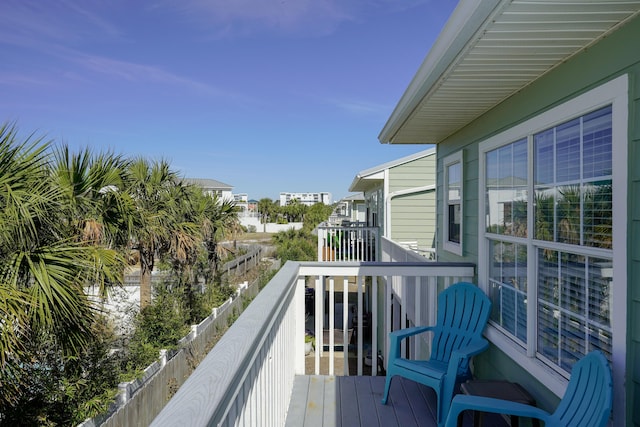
488 51
369 177
364 181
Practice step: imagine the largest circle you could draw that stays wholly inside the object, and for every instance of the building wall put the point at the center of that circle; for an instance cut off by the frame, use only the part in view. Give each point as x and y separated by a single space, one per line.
306 198
615 55
413 216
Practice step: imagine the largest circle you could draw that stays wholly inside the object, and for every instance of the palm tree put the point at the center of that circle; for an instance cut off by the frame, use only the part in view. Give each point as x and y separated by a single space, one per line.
44 270
150 185
266 208
295 210
95 207
218 219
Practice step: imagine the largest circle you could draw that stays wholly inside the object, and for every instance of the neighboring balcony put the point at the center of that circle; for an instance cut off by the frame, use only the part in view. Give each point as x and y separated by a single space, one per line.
355 242
258 373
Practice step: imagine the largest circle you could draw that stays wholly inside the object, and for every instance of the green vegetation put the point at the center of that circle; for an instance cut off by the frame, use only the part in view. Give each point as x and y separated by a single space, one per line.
302 245
294 211
74 220
70 221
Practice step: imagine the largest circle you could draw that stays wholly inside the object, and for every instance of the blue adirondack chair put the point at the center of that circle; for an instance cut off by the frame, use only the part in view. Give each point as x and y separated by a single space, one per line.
586 403
463 311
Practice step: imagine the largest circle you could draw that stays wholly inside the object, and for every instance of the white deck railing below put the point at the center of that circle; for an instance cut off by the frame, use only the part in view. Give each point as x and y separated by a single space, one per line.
247 378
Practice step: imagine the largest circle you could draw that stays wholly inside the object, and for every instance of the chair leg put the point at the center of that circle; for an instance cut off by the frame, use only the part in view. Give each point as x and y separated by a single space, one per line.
387 384
440 415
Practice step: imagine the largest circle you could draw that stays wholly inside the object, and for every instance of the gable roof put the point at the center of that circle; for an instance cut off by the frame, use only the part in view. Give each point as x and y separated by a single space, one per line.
377 172
208 183
489 50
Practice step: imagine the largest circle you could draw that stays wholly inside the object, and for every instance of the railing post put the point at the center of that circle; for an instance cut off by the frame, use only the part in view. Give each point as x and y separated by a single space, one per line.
332 325
321 237
345 320
374 325
360 310
123 393
194 332
299 301
318 314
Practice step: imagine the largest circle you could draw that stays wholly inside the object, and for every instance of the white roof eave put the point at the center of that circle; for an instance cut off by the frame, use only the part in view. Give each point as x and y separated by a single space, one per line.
489 50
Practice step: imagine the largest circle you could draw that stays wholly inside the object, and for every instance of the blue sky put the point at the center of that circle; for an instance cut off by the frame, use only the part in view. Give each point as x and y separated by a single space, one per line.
264 95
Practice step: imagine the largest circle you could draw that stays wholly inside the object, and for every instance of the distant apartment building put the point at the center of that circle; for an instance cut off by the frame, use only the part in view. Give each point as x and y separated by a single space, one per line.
305 198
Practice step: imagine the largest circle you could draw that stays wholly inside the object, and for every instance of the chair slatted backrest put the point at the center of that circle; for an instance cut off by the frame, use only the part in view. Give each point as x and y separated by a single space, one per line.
589 395
463 312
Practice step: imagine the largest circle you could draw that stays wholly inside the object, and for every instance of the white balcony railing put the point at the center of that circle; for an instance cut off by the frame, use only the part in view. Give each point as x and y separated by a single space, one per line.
247 377
353 243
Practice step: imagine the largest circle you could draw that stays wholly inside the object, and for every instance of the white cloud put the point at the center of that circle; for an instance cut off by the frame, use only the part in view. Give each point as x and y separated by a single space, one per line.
360 107
244 17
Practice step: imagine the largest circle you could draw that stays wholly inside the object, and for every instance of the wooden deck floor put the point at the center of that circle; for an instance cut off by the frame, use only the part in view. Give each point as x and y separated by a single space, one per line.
352 401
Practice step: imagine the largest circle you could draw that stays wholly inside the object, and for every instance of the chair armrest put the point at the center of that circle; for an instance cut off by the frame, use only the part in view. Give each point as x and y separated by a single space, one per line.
397 336
487 404
474 348
458 356
408 332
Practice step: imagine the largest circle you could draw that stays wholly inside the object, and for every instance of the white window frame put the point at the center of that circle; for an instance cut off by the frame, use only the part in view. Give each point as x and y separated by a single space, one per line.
448 245
614 93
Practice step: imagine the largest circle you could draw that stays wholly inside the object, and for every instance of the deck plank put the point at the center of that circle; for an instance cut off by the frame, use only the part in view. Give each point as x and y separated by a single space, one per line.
398 399
386 413
349 415
365 399
298 403
330 411
419 403
314 414
355 401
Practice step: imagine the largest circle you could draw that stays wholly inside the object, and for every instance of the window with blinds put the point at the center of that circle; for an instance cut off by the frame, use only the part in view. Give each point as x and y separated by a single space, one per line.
557 181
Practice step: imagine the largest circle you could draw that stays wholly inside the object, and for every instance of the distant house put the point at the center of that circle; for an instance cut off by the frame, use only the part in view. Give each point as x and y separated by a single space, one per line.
213 187
400 199
242 202
305 198
350 209
534 107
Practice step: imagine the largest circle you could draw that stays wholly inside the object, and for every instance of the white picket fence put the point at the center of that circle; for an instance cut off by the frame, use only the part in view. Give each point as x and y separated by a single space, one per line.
139 401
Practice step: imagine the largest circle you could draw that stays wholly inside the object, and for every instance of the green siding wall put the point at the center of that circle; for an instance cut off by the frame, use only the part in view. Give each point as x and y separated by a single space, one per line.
413 216
615 55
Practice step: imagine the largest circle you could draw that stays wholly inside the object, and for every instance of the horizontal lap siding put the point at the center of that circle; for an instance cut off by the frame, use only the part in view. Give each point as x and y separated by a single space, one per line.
413 215
615 55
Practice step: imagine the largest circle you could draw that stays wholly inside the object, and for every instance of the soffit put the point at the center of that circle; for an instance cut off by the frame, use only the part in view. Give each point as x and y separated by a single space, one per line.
511 44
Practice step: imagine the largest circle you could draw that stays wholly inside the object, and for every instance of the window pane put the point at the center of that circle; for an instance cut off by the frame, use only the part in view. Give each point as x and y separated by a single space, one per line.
506 189
600 278
454 177
572 279
597 144
568 214
571 206
508 287
543 143
568 151
545 204
598 214
573 306
453 199
454 223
